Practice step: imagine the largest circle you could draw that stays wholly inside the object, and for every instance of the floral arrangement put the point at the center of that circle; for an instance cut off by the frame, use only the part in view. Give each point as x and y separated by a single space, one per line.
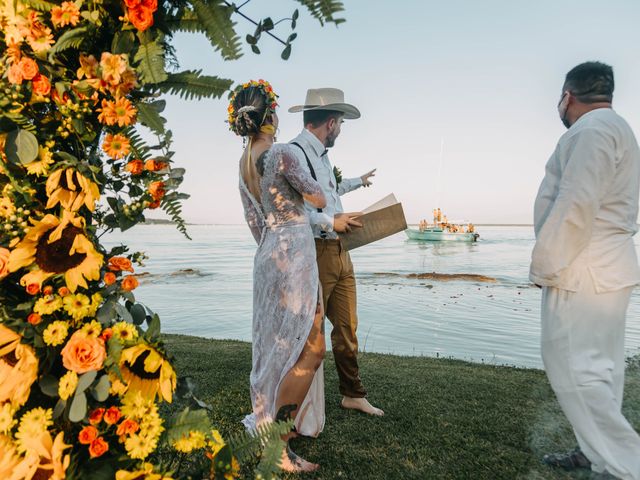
265 88
83 370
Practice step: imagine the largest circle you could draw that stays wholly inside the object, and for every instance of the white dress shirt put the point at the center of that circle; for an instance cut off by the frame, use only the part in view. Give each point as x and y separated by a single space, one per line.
587 206
323 221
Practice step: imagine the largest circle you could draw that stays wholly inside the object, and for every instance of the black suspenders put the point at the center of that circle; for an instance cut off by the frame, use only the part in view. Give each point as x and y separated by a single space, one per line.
323 234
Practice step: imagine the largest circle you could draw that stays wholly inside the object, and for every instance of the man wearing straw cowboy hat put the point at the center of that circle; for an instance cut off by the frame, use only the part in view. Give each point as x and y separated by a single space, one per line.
323 113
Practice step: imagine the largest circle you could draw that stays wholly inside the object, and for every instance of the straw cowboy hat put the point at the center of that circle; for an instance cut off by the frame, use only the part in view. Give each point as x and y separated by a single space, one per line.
327 99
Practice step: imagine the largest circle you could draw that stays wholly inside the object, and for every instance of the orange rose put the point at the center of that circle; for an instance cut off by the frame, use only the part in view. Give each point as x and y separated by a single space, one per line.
127 427
130 282
150 4
4 262
34 319
155 204
106 334
15 74
41 85
63 291
48 290
109 278
112 416
132 3
154 165
95 417
83 353
28 67
87 435
141 17
33 289
135 167
98 447
157 191
120 264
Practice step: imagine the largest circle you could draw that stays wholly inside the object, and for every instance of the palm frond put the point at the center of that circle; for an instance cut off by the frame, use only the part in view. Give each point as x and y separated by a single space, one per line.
324 10
191 84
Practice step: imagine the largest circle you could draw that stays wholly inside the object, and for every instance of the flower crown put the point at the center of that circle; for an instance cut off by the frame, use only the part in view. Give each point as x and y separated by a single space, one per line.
266 90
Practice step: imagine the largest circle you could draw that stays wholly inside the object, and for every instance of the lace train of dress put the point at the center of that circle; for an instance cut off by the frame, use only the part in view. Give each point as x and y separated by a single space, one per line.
285 288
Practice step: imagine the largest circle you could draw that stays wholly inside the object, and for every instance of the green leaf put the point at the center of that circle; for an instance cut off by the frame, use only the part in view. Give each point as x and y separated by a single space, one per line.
149 116
255 49
150 62
191 84
21 147
123 42
100 391
49 385
78 408
286 53
139 314
251 40
85 380
324 10
187 420
59 408
215 19
40 5
123 313
267 24
69 39
153 331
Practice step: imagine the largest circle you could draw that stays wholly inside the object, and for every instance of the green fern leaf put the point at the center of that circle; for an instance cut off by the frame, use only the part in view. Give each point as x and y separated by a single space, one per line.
324 10
20 120
188 23
69 39
215 18
139 147
172 207
40 5
149 115
190 84
150 62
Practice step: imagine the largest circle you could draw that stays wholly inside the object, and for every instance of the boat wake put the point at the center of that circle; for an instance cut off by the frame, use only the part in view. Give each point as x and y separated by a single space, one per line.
443 277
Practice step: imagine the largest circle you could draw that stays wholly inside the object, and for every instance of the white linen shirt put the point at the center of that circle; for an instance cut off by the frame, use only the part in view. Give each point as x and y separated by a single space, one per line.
586 210
323 221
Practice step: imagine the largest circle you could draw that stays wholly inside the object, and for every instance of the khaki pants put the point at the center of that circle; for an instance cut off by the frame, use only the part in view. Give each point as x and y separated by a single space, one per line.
339 295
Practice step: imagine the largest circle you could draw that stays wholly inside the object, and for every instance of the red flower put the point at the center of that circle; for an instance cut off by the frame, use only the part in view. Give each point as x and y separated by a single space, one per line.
87 435
95 417
141 17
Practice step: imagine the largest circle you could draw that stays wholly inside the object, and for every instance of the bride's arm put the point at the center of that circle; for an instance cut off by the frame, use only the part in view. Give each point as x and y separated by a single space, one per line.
300 179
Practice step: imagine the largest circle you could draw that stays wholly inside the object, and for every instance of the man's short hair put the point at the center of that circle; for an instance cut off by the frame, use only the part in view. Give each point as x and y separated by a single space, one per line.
319 117
590 82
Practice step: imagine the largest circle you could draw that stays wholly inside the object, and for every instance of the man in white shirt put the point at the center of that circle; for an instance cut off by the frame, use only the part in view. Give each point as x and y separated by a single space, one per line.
585 261
323 113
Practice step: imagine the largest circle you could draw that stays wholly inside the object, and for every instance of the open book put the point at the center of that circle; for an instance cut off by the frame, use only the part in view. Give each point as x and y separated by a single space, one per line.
380 220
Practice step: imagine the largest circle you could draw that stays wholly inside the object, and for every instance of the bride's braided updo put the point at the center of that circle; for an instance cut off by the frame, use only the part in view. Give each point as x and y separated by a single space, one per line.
251 104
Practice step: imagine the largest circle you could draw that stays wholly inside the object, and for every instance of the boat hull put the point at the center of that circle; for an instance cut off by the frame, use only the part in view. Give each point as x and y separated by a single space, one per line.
440 236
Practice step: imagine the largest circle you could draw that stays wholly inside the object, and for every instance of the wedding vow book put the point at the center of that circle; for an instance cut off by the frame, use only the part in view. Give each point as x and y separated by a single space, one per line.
380 220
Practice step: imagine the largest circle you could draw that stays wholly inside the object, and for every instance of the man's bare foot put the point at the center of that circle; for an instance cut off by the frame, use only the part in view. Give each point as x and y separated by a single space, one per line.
361 404
295 464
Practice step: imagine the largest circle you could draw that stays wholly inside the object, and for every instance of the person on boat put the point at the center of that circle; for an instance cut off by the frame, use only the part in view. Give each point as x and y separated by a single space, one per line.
288 342
324 111
584 259
471 228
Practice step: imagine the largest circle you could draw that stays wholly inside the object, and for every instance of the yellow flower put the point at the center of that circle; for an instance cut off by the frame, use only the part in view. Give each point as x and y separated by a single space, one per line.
145 370
92 329
215 442
187 443
117 387
48 304
33 426
53 464
54 246
125 331
18 368
68 384
7 208
144 472
72 190
136 406
140 446
78 306
234 471
55 333
13 465
6 417
41 166
113 66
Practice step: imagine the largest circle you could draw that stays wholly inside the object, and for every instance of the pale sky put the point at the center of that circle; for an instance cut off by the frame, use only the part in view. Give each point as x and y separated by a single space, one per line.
483 76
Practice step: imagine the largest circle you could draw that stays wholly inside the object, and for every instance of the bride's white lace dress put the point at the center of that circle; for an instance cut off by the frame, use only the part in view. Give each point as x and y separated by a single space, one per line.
285 286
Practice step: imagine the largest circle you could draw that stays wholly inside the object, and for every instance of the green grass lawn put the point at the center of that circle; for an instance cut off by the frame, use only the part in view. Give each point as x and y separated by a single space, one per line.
444 418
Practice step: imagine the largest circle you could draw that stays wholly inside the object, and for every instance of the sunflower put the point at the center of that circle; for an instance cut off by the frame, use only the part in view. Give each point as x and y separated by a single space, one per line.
55 246
52 463
145 370
72 190
144 471
116 146
40 166
18 368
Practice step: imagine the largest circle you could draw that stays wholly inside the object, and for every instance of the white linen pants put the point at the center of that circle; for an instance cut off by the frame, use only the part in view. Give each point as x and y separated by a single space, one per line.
583 354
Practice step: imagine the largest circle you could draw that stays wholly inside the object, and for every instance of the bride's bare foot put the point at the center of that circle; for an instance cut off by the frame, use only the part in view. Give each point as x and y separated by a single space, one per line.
295 464
361 404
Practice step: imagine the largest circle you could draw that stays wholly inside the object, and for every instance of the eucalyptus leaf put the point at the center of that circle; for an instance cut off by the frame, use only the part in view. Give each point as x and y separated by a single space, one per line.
85 380
286 53
78 408
100 391
255 49
139 314
49 385
21 147
154 328
59 408
106 312
123 312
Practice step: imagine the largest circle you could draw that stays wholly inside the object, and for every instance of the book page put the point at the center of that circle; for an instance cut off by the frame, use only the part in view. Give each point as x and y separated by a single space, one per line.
385 202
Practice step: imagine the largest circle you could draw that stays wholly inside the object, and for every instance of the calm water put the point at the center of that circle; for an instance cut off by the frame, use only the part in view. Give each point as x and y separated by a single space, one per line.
203 287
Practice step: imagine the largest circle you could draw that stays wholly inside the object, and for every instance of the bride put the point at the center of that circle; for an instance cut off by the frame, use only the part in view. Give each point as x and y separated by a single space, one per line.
288 328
